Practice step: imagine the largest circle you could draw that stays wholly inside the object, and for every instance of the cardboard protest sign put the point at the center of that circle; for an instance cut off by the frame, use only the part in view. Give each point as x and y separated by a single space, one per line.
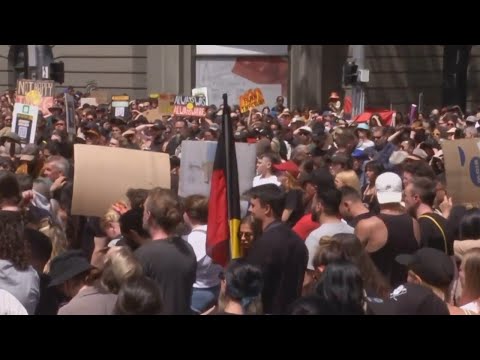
166 102
104 174
88 101
102 96
462 167
24 122
190 106
120 105
36 93
203 91
152 115
197 165
70 112
251 98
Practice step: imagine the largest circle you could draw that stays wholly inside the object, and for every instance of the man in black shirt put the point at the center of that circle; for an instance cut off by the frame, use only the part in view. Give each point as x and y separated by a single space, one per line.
167 259
419 197
279 252
352 208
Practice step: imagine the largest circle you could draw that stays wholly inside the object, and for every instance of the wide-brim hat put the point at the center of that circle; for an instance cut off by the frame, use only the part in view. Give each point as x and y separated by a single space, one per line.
67 265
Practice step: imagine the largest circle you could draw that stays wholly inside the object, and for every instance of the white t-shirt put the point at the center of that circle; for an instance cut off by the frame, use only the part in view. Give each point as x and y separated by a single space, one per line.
366 144
472 306
259 180
9 305
324 230
207 271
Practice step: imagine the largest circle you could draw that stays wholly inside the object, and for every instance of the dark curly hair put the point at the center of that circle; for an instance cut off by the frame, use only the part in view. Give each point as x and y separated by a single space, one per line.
13 246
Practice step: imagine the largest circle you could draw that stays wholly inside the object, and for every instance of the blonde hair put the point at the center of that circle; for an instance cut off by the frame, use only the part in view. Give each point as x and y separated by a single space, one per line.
58 239
471 268
120 266
349 178
111 216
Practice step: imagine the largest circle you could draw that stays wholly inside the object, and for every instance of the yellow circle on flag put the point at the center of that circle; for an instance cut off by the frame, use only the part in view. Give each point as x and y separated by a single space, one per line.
190 106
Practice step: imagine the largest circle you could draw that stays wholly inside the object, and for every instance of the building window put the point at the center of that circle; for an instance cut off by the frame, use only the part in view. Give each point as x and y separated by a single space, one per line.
234 69
18 61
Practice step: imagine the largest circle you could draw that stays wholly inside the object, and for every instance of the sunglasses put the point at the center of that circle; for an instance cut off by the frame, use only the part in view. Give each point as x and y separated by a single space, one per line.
451 124
377 137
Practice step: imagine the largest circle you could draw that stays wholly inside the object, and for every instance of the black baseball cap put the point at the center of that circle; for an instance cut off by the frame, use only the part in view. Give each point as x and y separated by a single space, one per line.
432 265
408 299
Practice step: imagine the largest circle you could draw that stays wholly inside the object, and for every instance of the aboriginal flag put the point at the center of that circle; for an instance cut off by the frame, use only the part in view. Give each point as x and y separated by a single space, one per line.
223 243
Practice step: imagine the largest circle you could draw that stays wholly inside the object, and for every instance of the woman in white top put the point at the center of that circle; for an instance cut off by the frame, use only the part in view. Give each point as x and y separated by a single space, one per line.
207 285
470 281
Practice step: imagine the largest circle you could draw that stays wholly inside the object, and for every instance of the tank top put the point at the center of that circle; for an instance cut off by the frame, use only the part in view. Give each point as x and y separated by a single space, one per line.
400 240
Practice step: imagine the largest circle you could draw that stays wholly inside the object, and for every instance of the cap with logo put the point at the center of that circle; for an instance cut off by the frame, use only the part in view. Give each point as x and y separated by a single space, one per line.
408 299
389 188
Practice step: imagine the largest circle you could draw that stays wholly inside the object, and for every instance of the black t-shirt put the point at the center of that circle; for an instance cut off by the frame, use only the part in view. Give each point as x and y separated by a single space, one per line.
433 235
282 256
294 201
173 265
49 301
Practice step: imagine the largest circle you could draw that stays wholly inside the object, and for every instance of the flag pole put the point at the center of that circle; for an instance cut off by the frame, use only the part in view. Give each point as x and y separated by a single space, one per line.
227 130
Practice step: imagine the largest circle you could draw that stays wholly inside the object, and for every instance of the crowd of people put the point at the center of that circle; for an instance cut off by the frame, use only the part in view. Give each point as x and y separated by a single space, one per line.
344 218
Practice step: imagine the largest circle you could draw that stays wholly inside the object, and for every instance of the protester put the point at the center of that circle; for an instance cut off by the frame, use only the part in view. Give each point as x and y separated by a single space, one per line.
72 274
249 232
391 232
469 233
167 259
17 276
419 197
139 296
264 171
341 287
279 252
351 208
326 212
207 285
241 290
469 280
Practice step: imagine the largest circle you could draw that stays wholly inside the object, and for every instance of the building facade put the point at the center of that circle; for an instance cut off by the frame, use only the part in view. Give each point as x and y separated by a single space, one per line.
304 74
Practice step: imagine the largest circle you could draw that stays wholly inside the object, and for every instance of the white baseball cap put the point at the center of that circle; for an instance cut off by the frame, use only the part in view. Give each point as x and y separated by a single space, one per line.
389 188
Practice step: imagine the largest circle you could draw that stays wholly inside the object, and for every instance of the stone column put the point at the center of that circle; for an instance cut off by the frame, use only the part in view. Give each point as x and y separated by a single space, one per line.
315 71
170 68
305 75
